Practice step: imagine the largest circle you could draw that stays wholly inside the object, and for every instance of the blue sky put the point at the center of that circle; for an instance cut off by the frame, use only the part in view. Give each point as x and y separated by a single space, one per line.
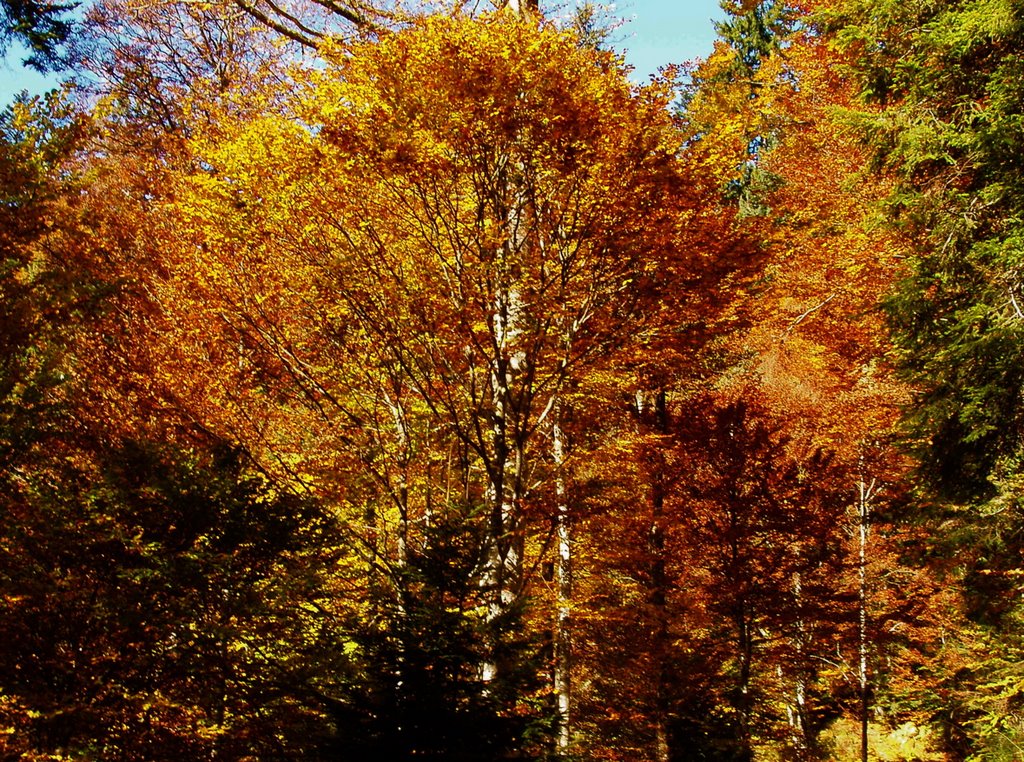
661 32
14 77
656 33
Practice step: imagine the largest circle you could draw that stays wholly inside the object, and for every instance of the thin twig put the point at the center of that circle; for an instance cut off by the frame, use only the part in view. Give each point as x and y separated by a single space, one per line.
806 314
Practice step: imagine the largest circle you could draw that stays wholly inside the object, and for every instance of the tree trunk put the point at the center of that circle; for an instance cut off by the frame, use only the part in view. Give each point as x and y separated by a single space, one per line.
797 711
656 421
502 576
865 493
745 658
522 7
504 555
563 578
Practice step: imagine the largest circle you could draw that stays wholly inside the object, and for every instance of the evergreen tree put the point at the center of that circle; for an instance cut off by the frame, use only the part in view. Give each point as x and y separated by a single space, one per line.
755 30
41 26
419 649
949 76
752 34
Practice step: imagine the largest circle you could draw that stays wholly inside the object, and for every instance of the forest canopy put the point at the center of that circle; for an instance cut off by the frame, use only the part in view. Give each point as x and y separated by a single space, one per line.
387 381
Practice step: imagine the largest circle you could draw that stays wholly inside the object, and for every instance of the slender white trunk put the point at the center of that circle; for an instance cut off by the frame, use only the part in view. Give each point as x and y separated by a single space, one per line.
401 482
865 493
563 577
504 553
502 556
797 711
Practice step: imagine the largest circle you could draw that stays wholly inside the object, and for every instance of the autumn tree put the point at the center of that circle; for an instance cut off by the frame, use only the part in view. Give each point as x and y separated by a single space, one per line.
35 138
813 344
759 528
164 68
159 611
954 316
385 295
158 601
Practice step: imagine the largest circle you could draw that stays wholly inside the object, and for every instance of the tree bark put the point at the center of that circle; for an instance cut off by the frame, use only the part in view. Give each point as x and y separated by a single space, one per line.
656 421
865 492
564 580
522 7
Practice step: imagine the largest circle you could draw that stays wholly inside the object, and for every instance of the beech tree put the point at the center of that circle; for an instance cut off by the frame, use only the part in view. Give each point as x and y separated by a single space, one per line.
385 296
814 339
136 594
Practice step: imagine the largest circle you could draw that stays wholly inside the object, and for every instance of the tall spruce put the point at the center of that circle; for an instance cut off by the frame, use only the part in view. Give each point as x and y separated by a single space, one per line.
44 28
